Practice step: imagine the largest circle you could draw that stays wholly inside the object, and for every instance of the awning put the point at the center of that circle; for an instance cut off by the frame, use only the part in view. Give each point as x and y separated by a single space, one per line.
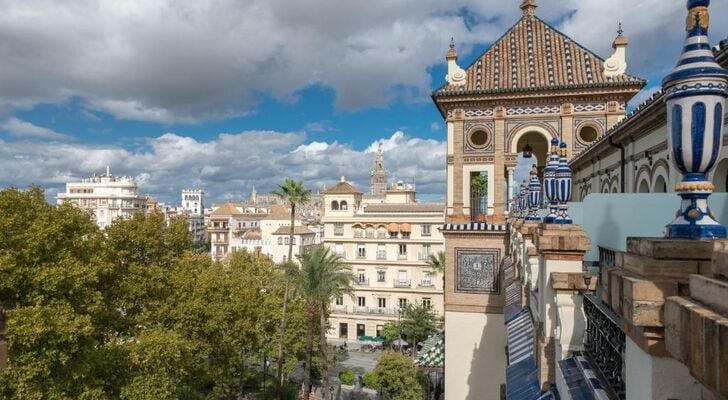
432 354
513 301
520 337
522 381
393 227
405 228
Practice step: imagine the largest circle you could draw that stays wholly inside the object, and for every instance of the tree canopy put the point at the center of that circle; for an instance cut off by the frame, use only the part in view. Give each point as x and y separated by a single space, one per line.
131 312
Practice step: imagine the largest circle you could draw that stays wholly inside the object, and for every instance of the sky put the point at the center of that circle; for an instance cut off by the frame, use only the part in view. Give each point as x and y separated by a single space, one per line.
223 95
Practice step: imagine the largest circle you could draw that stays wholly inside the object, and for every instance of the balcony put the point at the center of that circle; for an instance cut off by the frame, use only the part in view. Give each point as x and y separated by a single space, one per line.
375 310
341 254
426 283
423 256
358 235
381 255
402 257
338 231
339 308
402 283
361 256
363 282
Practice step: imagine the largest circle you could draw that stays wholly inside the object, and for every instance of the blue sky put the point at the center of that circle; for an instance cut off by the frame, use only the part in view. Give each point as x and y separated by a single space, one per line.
223 95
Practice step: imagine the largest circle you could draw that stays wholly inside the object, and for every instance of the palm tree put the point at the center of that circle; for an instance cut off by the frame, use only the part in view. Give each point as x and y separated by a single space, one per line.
323 276
437 262
293 193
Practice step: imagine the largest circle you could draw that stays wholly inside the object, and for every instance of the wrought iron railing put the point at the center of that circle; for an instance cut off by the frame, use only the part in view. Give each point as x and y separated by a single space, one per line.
605 343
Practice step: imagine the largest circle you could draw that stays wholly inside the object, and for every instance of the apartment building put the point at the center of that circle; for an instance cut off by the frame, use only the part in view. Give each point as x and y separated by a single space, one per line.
386 242
107 196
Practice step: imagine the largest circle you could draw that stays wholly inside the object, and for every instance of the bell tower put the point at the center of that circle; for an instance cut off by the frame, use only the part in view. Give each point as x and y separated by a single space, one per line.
379 176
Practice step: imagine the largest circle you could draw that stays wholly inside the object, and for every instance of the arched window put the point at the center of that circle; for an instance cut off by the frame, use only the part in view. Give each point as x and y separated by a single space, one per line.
294 241
335 205
660 185
286 241
644 187
344 205
280 240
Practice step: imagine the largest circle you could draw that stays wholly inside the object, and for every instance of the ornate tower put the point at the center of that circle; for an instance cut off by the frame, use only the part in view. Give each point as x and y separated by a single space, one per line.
380 176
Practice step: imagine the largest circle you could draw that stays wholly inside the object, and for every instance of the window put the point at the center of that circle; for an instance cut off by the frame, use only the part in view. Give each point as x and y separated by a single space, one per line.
402 276
588 134
358 233
382 302
362 276
405 235
426 251
361 301
370 233
402 251
334 205
339 250
344 206
426 230
426 279
402 303
285 241
361 251
280 240
340 300
427 302
379 330
294 241
381 251
381 275
339 229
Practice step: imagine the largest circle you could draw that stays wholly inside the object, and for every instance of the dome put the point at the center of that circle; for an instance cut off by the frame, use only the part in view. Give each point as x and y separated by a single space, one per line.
698 3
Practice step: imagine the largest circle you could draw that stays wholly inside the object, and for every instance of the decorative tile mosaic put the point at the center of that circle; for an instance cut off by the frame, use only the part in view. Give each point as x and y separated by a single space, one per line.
488 112
534 110
477 270
589 107
471 127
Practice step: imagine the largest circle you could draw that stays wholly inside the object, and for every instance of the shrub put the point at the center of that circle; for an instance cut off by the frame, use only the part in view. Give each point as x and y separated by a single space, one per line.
370 380
347 376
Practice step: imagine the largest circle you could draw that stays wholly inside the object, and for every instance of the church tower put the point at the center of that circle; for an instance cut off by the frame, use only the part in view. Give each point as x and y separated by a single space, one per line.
380 176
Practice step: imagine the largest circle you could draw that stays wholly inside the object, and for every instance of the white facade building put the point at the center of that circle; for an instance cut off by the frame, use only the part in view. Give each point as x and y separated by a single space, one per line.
107 196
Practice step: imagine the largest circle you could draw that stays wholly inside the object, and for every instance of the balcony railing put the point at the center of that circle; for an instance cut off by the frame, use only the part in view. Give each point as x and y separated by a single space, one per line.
358 235
423 256
363 282
339 308
381 255
402 283
361 256
341 254
375 310
605 344
402 257
426 283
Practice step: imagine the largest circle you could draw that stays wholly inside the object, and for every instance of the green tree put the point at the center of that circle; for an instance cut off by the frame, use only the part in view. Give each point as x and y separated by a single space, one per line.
322 277
294 193
418 322
390 332
397 378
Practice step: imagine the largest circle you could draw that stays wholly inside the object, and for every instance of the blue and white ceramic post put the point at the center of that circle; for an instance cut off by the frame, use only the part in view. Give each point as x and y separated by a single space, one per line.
549 181
523 199
695 92
534 195
563 188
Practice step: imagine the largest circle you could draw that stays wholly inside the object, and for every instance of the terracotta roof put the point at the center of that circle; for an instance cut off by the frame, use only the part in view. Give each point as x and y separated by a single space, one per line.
533 55
283 216
404 208
297 230
227 209
343 188
279 208
253 234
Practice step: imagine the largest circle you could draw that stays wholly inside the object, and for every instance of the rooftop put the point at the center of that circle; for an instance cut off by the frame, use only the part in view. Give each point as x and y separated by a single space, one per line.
343 187
405 208
297 230
533 55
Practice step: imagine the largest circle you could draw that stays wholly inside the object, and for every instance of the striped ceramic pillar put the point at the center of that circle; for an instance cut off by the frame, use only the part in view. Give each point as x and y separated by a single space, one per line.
563 180
534 196
549 181
695 92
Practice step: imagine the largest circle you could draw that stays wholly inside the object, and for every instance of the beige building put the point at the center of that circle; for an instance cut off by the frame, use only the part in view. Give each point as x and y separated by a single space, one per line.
230 224
386 242
107 196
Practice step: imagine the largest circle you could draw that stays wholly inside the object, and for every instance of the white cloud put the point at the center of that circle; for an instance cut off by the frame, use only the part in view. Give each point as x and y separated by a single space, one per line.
169 61
226 167
24 129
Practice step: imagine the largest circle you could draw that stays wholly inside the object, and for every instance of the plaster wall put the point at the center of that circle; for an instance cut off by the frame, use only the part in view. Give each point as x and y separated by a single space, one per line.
475 362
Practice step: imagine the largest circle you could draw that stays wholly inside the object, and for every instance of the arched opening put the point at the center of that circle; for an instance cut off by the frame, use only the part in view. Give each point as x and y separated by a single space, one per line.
335 205
720 176
660 185
537 143
344 206
588 134
280 241
644 187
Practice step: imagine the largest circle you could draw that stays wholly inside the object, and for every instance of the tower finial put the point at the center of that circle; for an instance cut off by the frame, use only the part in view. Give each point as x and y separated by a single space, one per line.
529 8
619 29
452 43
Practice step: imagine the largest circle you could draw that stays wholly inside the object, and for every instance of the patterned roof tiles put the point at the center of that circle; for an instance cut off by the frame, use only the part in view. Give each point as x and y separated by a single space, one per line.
534 55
